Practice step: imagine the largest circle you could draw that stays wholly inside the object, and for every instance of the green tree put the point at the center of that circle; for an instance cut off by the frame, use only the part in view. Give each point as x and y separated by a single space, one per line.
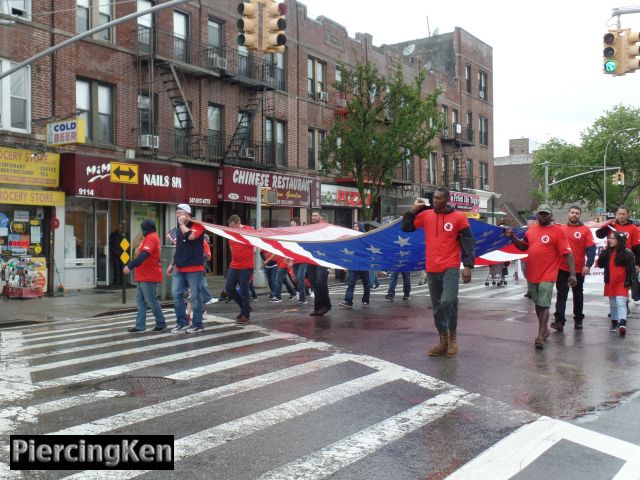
617 132
386 122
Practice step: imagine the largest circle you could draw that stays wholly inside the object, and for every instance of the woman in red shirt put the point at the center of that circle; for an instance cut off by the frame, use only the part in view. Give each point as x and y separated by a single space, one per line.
619 267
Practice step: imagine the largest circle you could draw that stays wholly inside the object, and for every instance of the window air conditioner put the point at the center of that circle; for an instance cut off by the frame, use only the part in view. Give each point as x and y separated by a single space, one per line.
481 94
485 186
456 185
248 153
322 96
219 62
149 141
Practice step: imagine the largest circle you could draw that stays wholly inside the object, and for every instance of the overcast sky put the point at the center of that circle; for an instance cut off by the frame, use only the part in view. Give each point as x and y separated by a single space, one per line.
547 55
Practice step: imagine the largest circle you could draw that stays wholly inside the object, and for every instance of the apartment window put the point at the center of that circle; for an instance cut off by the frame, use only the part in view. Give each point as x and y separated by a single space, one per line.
15 98
469 179
484 176
315 78
244 62
275 142
407 166
214 35
484 131
467 77
18 8
145 27
94 102
482 86
445 170
214 120
455 122
181 125
92 13
244 129
470 126
445 115
275 70
431 168
315 139
180 36
144 114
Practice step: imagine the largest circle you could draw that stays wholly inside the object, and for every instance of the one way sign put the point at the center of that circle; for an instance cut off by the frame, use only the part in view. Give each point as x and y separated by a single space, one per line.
124 172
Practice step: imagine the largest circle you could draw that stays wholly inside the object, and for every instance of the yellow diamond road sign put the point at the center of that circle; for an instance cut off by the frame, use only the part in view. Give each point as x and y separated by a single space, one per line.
124 172
124 244
124 258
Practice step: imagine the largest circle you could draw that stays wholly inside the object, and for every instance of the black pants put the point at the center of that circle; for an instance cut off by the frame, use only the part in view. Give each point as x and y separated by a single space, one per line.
320 287
562 287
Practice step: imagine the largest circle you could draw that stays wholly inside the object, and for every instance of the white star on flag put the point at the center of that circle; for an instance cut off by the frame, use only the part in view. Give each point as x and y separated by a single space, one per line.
402 241
346 251
374 250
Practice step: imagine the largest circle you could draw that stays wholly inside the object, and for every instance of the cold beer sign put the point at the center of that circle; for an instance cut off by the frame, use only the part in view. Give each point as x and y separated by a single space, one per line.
65 132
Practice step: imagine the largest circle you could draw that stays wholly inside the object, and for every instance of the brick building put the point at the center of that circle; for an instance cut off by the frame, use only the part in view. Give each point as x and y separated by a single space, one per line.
204 121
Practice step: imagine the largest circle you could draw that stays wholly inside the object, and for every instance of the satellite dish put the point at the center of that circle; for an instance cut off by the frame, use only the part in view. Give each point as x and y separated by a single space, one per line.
409 49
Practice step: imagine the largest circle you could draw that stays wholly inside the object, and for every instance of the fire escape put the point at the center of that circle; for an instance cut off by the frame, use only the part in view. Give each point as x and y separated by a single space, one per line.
171 66
455 174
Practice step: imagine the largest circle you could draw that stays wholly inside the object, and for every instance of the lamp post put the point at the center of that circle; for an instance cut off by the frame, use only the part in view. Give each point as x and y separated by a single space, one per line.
604 164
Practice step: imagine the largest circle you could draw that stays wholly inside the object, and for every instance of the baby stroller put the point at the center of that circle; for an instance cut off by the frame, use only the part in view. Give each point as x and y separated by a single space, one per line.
497 274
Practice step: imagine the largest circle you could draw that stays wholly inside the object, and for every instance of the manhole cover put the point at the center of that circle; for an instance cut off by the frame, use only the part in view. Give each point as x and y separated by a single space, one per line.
138 385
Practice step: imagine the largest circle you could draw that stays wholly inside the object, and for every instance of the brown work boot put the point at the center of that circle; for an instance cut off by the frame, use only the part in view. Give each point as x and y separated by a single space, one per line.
452 348
441 348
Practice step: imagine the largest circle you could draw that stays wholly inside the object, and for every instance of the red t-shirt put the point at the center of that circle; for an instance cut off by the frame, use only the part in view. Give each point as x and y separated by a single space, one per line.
441 231
207 250
580 238
198 230
241 255
617 277
547 245
281 262
630 231
150 270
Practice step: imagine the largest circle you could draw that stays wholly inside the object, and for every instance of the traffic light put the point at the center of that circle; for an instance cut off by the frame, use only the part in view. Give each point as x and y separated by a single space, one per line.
248 25
273 27
631 50
268 196
612 52
618 178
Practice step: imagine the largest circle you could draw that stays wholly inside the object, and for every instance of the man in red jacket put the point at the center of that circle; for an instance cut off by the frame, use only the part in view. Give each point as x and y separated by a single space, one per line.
240 271
148 274
447 234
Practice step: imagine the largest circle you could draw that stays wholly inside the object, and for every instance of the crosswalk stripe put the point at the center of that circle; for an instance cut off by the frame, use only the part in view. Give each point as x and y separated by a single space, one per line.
177 357
74 331
343 453
180 340
75 328
130 340
49 323
143 414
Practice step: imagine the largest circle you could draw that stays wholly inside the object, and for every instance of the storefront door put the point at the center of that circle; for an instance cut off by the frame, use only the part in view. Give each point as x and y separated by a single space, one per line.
102 247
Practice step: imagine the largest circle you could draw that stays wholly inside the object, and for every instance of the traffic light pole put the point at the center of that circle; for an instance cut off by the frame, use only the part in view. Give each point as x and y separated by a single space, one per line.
123 235
259 279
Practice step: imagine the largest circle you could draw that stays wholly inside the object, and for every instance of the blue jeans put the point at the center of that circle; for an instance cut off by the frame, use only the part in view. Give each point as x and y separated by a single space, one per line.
270 273
281 277
373 279
205 295
146 298
406 283
443 289
239 277
179 284
618 306
300 270
352 278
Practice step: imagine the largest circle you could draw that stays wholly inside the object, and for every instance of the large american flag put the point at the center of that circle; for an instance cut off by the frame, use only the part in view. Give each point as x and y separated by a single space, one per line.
385 248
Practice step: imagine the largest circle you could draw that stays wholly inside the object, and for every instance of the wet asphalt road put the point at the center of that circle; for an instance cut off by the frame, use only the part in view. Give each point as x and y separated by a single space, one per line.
373 405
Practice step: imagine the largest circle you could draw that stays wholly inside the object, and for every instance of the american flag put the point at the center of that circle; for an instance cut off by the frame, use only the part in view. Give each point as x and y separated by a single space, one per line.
385 248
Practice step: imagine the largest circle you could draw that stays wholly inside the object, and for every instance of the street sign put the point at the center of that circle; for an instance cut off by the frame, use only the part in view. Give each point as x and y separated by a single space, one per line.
599 209
124 173
124 245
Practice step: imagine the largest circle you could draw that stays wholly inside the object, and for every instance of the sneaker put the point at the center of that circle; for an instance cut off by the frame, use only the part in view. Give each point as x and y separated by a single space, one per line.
375 287
194 330
311 295
241 320
212 301
557 325
389 297
158 329
275 300
405 297
294 297
346 305
614 326
302 302
254 299
134 330
365 304
622 327
180 329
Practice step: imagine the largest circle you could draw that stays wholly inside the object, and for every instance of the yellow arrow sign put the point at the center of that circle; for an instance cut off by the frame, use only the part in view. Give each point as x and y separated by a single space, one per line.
124 258
124 172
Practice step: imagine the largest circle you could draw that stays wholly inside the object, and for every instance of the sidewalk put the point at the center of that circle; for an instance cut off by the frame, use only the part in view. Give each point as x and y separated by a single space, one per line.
83 304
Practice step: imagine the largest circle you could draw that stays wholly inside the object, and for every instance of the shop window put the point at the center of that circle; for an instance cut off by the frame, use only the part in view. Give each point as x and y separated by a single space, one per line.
21 231
79 231
15 99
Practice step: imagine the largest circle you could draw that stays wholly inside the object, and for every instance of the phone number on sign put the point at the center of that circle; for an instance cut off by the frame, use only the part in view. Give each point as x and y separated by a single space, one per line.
200 201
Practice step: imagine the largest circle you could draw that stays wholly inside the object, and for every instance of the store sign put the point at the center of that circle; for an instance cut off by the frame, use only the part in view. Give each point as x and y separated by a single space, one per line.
23 167
66 132
240 185
43 198
86 176
342 196
466 202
